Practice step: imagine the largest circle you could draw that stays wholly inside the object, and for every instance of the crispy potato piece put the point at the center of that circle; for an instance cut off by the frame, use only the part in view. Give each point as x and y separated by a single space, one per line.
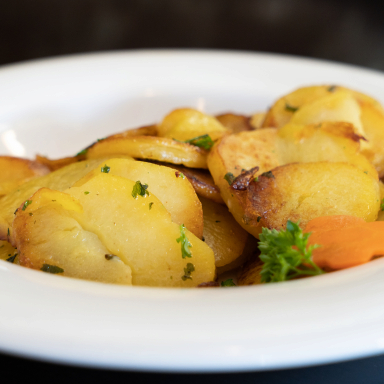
16 171
151 148
148 130
175 193
222 233
7 251
46 234
186 124
233 153
141 233
54 165
58 180
257 120
250 272
235 123
334 142
306 191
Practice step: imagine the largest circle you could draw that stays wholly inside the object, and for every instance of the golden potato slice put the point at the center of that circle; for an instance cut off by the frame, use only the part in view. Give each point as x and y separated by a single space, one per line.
139 230
16 171
236 152
54 165
172 189
50 239
186 124
151 148
257 120
8 252
148 130
235 123
58 180
306 191
222 233
334 142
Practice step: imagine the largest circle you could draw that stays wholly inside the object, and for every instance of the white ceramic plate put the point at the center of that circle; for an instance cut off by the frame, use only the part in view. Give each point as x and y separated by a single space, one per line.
56 107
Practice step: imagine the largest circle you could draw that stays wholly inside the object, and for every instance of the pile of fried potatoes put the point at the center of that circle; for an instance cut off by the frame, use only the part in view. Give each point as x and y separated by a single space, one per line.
177 203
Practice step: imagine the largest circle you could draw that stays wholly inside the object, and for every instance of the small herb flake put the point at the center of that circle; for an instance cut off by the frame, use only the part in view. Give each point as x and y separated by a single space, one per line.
25 205
290 108
185 244
187 272
12 258
8 232
332 88
51 269
229 177
109 256
150 205
366 172
105 169
179 174
30 214
256 179
86 193
268 174
228 283
203 141
83 152
15 211
258 218
139 189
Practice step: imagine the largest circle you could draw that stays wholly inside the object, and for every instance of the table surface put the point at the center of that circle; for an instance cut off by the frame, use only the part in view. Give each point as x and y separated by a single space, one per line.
367 371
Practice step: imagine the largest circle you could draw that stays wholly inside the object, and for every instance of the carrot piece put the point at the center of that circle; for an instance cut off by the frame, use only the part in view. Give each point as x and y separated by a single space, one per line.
345 241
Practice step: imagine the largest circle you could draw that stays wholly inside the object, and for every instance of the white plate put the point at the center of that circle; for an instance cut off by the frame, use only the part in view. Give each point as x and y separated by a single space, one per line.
58 106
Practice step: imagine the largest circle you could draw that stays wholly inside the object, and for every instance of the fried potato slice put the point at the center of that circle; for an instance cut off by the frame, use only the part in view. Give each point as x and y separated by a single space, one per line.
174 191
7 251
141 233
222 233
16 171
257 120
187 123
58 180
235 123
306 191
49 238
151 148
148 130
56 164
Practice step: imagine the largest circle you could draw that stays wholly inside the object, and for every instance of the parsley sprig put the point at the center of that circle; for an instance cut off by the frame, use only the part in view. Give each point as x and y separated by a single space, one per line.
139 189
203 141
185 243
285 254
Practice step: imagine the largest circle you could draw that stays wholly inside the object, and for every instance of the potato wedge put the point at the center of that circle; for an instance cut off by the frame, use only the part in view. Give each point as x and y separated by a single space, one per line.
58 180
235 123
174 191
50 239
186 124
222 233
151 148
16 171
141 233
301 192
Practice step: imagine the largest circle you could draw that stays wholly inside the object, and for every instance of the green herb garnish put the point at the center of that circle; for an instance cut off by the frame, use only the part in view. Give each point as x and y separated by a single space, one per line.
51 269
187 272
290 108
332 88
180 174
86 193
150 205
285 254
258 218
203 141
139 189
105 169
228 283
229 177
12 258
268 174
185 244
83 152
25 205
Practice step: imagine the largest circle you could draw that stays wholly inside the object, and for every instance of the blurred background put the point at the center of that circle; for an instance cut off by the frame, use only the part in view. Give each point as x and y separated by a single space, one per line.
346 31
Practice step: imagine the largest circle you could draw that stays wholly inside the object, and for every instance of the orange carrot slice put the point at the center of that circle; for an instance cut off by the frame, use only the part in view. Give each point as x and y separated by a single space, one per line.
345 241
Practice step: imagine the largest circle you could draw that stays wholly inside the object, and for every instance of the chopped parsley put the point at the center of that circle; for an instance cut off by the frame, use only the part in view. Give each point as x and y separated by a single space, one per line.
8 232
185 244
203 141
268 174
332 88
228 283
179 174
150 205
187 272
290 108
285 254
51 269
258 218
86 193
25 205
83 152
139 189
105 169
229 177
12 258
256 179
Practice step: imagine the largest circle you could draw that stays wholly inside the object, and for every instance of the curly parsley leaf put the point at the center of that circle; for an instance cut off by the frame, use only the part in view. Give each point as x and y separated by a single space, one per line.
228 283
185 243
203 141
51 269
139 189
188 271
285 254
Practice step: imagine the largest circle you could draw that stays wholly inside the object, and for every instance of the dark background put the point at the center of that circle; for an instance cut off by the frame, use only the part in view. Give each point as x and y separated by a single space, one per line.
345 31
